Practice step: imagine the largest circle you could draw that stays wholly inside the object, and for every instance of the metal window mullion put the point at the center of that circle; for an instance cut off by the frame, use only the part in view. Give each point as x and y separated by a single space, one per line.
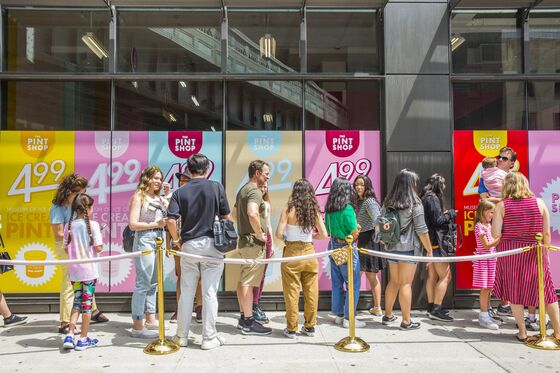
225 40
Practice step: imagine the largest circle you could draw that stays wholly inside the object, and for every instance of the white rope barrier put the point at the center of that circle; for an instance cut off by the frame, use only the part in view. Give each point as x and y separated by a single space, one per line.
201 258
74 261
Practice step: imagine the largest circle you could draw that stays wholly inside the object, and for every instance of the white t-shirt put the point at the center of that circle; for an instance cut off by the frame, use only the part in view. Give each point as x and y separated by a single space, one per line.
80 248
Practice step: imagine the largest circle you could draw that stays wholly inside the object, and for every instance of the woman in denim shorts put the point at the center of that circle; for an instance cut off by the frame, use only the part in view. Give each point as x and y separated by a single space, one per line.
147 218
413 235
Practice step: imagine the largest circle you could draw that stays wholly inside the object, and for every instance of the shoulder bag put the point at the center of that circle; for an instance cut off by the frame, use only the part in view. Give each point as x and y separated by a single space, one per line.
225 236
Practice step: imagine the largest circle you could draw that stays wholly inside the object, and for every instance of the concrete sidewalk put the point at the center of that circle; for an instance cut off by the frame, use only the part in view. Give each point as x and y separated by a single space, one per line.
460 346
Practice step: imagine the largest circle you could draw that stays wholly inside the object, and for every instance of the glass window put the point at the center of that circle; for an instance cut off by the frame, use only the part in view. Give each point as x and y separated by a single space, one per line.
71 105
340 42
161 41
544 42
264 42
544 105
484 42
332 105
57 40
169 105
264 105
488 105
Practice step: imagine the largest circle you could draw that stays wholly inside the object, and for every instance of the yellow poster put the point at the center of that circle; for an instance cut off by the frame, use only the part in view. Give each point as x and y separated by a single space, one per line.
283 152
33 164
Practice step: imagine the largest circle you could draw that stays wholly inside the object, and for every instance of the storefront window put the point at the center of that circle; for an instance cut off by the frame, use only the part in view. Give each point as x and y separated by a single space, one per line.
483 42
169 105
178 41
342 42
57 40
336 105
264 42
544 105
264 105
544 42
56 105
488 105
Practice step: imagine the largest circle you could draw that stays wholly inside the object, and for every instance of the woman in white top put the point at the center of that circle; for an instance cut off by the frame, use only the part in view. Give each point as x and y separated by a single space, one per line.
300 223
147 217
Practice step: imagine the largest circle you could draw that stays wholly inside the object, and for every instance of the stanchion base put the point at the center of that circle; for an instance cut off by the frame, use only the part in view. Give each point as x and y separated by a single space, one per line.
350 344
161 347
543 343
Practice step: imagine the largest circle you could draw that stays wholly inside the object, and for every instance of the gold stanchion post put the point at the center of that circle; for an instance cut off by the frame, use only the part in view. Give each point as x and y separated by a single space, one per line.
351 343
161 346
542 341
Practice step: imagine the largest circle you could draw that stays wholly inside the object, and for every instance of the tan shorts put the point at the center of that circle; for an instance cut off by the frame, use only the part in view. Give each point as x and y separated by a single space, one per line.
251 274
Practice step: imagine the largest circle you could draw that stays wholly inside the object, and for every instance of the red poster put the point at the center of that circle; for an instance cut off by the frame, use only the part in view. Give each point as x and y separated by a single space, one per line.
470 147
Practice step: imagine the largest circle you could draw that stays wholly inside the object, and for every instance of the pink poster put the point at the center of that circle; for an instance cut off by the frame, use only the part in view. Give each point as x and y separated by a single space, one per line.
544 177
332 154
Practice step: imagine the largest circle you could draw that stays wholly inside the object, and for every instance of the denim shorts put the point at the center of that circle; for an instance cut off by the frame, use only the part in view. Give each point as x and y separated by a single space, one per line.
395 261
436 253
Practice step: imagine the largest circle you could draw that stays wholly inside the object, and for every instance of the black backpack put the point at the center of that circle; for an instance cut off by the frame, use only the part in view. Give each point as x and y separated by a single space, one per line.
128 239
225 236
388 226
448 238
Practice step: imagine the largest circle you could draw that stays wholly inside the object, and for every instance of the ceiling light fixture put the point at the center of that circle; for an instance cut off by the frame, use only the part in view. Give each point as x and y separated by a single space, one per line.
456 41
195 101
183 84
267 43
268 118
213 129
168 116
95 45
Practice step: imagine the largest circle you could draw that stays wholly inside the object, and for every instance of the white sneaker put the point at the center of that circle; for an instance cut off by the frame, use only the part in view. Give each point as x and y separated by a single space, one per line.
182 342
213 343
338 320
488 324
155 326
144 333
357 324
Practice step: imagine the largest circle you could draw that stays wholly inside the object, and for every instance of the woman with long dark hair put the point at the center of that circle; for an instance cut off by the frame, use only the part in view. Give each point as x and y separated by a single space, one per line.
340 221
300 223
367 209
439 274
403 198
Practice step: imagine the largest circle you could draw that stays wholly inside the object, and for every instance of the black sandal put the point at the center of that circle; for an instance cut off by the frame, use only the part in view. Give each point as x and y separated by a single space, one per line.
99 317
66 328
522 340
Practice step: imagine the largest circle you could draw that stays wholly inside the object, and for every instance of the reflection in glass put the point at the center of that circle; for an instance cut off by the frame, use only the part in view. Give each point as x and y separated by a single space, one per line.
342 105
339 42
264 105
57 40
150 41
484 42
58 105
169 105
488 106
544 105
263 42
544 42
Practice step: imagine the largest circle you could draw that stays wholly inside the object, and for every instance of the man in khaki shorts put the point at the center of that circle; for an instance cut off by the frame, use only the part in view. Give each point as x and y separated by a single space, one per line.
251 226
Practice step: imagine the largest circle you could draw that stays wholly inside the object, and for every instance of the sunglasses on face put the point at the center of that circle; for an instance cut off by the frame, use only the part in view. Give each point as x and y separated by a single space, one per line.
505 159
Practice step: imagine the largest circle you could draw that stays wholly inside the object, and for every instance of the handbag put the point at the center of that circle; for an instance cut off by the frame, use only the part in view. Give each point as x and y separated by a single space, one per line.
449 237
339 256
128 239
5 256
225 235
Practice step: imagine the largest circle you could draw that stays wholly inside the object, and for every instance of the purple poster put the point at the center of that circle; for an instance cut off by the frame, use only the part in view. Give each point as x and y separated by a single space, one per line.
332 154
544 177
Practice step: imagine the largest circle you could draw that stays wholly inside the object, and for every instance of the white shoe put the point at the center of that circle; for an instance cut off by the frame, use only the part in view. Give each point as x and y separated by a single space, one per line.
155 326
357 324
213 343
488 324
182 342
144 333
338 320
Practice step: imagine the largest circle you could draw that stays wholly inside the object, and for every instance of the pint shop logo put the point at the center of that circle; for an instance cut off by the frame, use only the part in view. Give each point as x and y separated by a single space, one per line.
342 143
37 144
184 144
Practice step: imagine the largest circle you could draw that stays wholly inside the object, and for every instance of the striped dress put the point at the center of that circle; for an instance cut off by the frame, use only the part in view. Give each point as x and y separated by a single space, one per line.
484 271
516 275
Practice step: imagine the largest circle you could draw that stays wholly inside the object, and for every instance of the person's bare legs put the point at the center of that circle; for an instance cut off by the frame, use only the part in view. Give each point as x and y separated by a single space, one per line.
245 298
554 315
392 289
431 283
406 276
375 288
484 299
517 310
4 309
443 278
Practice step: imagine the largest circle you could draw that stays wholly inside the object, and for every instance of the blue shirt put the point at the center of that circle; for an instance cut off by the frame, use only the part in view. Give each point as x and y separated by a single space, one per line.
59 214
481 187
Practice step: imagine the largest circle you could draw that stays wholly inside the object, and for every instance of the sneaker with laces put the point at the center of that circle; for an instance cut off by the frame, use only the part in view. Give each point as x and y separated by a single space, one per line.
504 310
376 311
180 341
488 323
255 328
389 320
68 343
144 333
259 315
155 326
357 324
173 319
198 314
438 314
289 334
85 344
14 320
532 325
310 332
412 325
338 320
209 344
240 322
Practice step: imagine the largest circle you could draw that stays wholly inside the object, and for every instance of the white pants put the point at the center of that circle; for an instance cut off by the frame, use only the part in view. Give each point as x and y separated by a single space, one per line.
190 273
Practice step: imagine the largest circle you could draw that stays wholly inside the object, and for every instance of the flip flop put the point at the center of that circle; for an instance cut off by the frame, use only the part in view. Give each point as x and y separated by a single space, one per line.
522 340
99 317
64 329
